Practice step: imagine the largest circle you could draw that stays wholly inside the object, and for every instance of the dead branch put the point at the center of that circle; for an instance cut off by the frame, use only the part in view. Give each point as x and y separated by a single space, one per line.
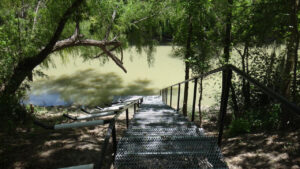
115 59
110 50
239 51
36 14
111 23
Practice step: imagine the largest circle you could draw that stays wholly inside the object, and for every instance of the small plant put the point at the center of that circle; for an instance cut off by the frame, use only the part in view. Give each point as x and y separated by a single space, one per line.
239 126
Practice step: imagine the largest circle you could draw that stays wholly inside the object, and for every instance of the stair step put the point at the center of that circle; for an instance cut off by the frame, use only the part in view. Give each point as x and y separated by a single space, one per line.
169 161
164 132
160 138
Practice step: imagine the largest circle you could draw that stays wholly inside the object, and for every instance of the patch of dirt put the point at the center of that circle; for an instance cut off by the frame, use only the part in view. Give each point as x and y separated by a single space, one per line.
47 149
269 149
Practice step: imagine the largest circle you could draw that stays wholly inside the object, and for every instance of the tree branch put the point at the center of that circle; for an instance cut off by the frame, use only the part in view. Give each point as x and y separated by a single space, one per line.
239 51
85 42
35 17
115 59
111 23
110 50
26 65
74 40
145 18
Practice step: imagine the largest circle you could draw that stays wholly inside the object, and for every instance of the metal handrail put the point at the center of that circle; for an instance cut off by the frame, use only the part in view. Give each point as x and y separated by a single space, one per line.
226 83
111 131
265 89
200 76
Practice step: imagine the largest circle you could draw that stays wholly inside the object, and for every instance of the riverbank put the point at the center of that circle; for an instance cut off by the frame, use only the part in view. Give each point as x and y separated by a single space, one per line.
40 148
269 149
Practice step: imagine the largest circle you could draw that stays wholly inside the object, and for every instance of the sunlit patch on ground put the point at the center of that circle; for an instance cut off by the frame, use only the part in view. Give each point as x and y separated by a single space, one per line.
40 148
261 149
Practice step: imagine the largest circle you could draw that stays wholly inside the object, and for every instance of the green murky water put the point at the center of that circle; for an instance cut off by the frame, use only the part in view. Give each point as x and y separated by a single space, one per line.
91 83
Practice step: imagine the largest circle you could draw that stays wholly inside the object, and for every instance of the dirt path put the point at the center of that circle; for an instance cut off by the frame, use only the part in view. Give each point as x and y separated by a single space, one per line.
47 149
44 149
273 149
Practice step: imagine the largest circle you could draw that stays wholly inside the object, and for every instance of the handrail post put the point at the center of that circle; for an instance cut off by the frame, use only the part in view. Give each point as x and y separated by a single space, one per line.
171 96
114 139
139 104
178 99
166 96
134 107
162 95
226 81
194 99
127 118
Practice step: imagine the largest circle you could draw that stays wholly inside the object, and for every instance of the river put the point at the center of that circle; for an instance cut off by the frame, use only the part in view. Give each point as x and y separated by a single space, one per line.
76 81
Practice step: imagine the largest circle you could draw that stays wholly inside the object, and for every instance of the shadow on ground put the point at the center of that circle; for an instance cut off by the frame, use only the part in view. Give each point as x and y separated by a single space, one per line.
89 88
39 148
272 149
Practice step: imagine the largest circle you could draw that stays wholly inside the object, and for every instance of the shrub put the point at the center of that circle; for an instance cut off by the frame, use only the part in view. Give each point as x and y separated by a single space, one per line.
239 126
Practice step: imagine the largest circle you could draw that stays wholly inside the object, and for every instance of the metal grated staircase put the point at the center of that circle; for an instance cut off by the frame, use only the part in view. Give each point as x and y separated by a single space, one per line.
158 138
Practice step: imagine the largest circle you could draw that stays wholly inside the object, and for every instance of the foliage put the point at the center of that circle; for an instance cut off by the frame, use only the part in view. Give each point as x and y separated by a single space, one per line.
263 34
205 33
27 28
239 126
266 118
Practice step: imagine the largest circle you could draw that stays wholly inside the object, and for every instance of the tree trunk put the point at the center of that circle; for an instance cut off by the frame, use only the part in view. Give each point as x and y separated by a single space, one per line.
227 39
199 101
296 34
246 85
24 67
271 66
234 101
290 61
187 66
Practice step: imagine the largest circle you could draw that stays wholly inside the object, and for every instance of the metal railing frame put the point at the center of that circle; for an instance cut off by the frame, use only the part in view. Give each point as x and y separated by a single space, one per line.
226 84
111 131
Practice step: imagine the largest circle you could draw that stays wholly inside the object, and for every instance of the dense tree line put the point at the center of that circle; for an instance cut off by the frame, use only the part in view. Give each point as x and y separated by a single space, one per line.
264 34
32 30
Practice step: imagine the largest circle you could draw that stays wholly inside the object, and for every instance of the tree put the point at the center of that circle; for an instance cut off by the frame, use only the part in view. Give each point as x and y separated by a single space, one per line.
291 60
195 37
258 26
32 30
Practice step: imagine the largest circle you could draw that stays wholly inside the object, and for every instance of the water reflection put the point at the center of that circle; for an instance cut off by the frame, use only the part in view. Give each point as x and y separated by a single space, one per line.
86 87
47 99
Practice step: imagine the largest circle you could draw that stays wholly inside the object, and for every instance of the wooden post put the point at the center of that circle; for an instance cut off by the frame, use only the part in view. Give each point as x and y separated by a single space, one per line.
226 80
